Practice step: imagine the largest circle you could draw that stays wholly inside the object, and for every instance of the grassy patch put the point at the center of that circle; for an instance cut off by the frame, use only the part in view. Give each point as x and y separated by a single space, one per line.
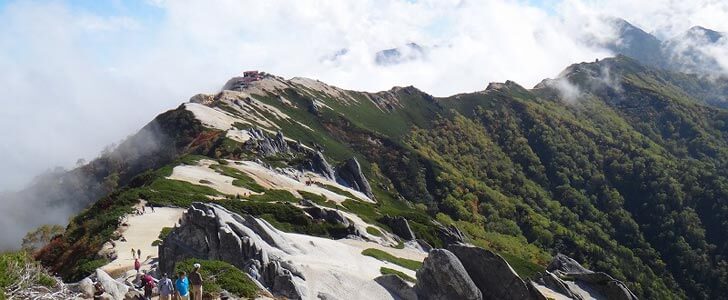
374 231
318 199
162 235
192 159
218 275
384 256
336 190
165 232
241 178
523 268
387 271
168 192
274 196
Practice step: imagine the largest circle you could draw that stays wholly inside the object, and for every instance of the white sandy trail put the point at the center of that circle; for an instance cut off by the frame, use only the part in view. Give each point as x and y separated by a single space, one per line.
139 234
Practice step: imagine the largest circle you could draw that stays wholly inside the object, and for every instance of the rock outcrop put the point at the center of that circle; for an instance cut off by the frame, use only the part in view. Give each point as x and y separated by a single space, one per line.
116 289
450 234
350 172
209 231
396 286
268 145
442 276
570 278
399 226
319 165
491 273
329 215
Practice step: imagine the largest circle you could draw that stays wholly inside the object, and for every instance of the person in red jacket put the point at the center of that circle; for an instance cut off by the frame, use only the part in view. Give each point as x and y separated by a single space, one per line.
148 284
137 265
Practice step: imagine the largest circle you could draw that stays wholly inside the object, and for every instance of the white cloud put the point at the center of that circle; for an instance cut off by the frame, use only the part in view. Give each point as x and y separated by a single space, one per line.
74 81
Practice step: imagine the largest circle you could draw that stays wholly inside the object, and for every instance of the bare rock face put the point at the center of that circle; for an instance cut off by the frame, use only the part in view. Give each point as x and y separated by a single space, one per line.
450 234
397 287
116 289
350 172
598 284
442 276
399 226
268 145
86 287
321 166
209 231
566 264
491 273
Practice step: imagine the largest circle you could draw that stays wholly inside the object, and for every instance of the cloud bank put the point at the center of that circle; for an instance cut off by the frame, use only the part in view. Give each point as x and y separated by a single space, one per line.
77 78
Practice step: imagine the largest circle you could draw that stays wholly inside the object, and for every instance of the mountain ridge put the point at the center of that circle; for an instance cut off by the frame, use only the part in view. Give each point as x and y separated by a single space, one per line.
523 172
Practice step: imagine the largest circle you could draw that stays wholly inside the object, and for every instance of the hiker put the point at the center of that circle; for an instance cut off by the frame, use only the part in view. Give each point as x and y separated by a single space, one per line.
137 265
139 253
196 282
165 287
133 253
183 286
148 284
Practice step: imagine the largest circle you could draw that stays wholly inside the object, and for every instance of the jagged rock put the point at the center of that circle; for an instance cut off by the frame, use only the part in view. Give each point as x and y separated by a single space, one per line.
450 234
321 166
600 285
398 287
329 215
267 145
566 264
86 287
554 283
350 172
399 226
491 273
209 231
116 289
442 276
424 245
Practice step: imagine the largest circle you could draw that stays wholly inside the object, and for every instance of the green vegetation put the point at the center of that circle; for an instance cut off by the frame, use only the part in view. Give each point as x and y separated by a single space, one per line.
384 256
218 276
162 235
275 196
336 190
387 271
241 179
13 265
318 199
631 180
374 231
286 217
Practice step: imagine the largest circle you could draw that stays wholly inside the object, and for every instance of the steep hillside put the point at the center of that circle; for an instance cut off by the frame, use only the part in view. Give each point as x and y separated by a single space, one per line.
617 165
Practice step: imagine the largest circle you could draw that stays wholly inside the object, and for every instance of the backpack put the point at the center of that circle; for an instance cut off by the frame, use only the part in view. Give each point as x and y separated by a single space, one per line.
149 282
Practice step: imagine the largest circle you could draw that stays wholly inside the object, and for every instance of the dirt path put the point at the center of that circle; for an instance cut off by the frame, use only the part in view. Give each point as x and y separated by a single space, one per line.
141 232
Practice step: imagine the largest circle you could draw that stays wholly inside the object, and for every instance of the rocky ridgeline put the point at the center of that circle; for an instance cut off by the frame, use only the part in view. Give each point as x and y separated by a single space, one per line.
348 173
209 231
